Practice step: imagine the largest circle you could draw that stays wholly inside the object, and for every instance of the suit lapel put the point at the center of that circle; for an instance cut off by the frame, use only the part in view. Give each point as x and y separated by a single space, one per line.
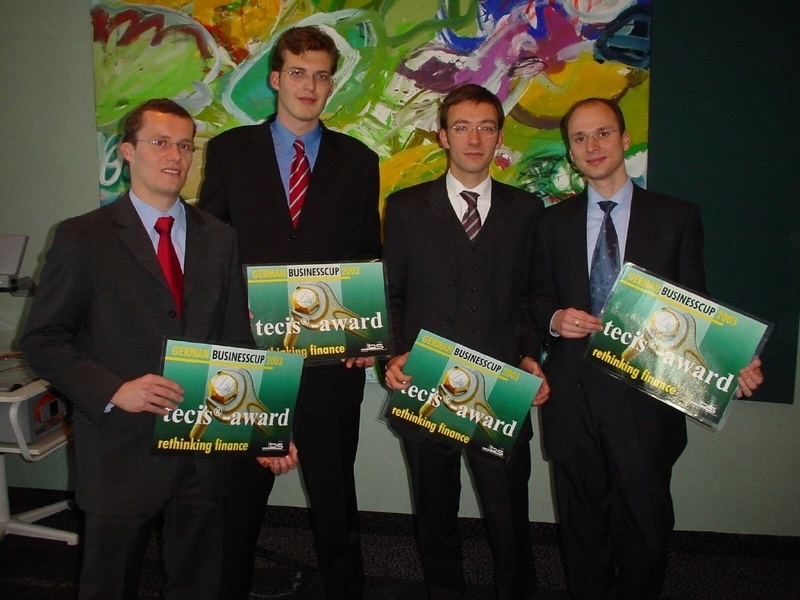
197 248
266 170
493 228
439 218
639 244
324 170
134 236
575 241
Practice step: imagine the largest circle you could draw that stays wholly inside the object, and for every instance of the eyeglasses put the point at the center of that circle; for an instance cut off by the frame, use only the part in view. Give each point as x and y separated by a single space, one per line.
298 75
164 145
484 130
601 135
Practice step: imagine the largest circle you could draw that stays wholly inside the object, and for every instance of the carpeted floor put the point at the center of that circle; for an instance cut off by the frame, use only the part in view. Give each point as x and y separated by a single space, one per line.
703 566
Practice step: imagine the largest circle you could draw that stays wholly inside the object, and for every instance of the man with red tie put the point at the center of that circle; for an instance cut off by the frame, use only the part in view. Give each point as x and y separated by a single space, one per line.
297 192
118 281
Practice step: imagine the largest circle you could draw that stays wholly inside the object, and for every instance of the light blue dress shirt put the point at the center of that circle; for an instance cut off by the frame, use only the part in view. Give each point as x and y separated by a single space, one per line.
283 139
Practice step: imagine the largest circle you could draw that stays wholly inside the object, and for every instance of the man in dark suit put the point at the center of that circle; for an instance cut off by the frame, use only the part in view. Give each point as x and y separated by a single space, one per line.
249 183
612 447
464 276
96 332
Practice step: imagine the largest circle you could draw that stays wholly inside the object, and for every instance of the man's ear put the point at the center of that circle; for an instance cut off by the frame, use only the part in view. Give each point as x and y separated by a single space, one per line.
443 139
126 149
274 80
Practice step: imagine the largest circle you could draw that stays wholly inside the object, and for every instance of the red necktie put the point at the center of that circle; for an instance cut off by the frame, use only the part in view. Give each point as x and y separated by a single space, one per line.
472 218
168 260
299 178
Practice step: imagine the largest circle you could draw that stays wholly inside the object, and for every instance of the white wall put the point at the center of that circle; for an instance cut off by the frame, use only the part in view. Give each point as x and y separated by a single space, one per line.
743 479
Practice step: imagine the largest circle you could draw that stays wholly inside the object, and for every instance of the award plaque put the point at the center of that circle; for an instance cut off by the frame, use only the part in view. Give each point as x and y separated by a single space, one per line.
463 397
322 312
675 344
237 401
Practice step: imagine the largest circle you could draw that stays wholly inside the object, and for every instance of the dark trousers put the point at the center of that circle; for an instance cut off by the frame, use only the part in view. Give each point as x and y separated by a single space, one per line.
503 494
614 509
114 548
244 515
326 448
327 445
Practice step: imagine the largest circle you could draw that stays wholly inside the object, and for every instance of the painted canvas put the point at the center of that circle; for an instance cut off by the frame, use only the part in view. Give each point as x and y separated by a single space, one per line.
400 57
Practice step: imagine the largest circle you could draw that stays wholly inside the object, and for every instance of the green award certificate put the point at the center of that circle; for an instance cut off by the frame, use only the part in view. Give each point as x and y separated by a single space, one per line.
237 401
323 312
462 397
674 344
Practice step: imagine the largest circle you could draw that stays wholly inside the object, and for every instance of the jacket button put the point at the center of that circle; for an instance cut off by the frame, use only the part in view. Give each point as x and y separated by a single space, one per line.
172 314
449 321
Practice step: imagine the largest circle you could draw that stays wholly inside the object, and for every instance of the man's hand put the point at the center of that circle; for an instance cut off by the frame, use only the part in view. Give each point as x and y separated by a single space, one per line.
750 378
280 465
150 393
532 367
574 323
395 378
360 362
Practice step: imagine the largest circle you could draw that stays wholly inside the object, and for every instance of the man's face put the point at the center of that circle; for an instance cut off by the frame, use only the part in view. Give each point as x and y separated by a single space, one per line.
158 173
597 146
471 151
301 102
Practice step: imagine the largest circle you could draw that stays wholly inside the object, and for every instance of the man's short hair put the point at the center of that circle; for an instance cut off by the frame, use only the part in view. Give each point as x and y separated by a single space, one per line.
470 92
587 102
133 121
299 40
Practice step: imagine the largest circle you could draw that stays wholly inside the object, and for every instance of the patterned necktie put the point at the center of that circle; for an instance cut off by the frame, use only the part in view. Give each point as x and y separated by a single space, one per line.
168 260
605 260
471 219
299 178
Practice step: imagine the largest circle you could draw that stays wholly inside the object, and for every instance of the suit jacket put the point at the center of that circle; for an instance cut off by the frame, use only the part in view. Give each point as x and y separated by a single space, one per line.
665 236
99 319
340 222
480 303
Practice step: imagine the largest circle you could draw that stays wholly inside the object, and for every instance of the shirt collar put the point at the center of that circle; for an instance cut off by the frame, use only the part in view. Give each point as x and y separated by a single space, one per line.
623 197
284 139
455 187
148 213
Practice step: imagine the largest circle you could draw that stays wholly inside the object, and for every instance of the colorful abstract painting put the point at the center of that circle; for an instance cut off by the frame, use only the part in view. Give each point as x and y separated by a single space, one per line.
399 58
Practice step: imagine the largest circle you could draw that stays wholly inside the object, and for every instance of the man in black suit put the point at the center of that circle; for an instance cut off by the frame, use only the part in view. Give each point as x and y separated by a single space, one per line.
249 184
96 332
466 279
612 447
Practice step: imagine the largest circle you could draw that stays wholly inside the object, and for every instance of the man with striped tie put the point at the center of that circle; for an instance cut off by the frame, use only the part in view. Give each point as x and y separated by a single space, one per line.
458 253
297 192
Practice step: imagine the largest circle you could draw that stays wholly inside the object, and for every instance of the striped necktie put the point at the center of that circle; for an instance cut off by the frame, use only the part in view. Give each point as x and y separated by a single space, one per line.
471 219
299 178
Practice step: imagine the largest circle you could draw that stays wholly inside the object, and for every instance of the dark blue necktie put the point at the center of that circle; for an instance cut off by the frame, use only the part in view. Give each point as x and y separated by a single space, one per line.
605 260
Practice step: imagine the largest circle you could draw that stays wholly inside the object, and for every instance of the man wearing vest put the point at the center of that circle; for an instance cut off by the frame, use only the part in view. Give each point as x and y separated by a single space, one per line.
458 251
